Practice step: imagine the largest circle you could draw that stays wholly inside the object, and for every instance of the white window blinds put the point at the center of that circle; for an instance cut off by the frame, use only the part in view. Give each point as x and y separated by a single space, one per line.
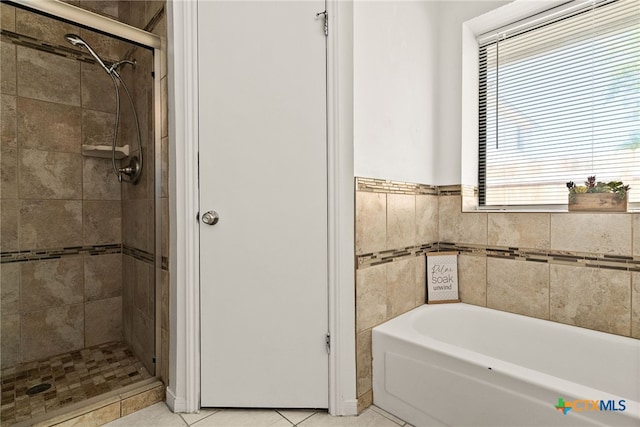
560 101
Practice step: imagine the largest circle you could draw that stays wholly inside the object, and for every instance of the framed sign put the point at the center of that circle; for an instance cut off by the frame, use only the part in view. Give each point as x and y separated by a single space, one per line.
442 277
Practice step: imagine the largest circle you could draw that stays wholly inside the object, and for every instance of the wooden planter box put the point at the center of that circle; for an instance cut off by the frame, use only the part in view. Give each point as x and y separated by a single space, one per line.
597 202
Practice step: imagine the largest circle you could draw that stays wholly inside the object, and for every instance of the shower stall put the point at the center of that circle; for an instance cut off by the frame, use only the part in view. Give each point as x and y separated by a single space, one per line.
80 202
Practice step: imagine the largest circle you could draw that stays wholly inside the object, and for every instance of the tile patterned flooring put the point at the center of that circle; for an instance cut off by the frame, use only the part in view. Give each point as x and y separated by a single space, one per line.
159 415
74 377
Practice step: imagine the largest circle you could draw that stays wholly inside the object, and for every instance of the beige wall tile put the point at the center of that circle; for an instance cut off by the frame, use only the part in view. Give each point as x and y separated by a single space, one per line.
97 128
52 331
401 221
520 230
99 181
143 342
164 175
10 340
636 234
143 288
142 400
102 222
164 298
49 126
106 46
591 298
365 400
472 279
401 279
102 7
10 288
164 109
48 77
518 286
8 68
137 230
94 418
363 362
103 321
98 92
635 305
7 17
457 227
50 175
165 230
421 280
9 213
371 297
164 361
8 172
51 283
42 27
8 113
426 219
371 222
591 232
50 224
151 8
102 276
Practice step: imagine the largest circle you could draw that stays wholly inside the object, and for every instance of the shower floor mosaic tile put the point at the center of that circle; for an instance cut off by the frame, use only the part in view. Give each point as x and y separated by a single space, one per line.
73 376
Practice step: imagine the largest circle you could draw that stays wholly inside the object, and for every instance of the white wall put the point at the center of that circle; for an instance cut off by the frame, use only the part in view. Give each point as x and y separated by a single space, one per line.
407 88
395 69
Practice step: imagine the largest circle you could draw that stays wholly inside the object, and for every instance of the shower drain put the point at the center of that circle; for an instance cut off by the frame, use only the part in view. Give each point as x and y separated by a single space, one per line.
38 388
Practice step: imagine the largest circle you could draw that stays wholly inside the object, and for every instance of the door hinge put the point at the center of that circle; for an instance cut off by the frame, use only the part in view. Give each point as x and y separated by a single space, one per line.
326 21
327 342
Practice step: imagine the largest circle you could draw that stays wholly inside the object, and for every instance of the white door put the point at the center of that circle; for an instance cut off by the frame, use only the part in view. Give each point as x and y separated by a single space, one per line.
263 169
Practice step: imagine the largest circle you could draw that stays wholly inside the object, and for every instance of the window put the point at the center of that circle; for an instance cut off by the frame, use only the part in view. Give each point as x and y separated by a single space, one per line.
560 101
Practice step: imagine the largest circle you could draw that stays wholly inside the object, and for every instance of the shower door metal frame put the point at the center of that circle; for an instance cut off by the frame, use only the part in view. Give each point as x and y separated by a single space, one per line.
93 21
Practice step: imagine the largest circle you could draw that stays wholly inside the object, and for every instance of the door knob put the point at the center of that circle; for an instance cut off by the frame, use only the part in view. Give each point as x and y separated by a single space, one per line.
211 218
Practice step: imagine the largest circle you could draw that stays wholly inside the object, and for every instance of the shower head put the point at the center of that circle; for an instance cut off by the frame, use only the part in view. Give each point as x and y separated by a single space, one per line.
77 41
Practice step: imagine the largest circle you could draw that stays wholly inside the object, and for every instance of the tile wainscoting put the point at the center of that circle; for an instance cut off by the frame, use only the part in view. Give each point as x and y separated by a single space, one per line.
574 268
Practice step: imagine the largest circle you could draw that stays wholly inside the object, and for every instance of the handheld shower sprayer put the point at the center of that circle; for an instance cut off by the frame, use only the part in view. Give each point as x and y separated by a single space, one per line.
134 169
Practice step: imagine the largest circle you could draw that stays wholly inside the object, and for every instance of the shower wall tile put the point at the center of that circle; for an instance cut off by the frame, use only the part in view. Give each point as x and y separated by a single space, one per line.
108 48
518 287
143 288
48 77
8 172
51 283
52 331
7 17
10 288
9 214
8 67
164 298
151 7
371 224
164 110
472 279
50 175
520 230
164 175
43 28
103 321
426 219
99 181
50 224
102 277
401 279
49 126
10 339
454 226
592 232
371 297
108 8
143 339
8 124
591 298
102 222
97 127
401 220
98 91
635 305
138 224
137 14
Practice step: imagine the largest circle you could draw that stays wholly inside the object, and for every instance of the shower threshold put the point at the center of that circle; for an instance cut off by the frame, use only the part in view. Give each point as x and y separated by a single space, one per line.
48 387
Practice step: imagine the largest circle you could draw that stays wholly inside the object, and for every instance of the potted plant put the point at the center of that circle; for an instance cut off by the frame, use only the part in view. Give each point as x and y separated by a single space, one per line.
598 196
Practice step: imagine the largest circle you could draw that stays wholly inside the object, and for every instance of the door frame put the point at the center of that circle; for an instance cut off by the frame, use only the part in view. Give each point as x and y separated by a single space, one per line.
183 391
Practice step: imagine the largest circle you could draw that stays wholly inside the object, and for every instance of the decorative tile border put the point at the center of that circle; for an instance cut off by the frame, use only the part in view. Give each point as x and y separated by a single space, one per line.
394 187
576 259
138 254
44 254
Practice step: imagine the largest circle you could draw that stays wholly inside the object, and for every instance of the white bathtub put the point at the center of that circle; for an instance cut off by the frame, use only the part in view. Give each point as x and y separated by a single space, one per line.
462 365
